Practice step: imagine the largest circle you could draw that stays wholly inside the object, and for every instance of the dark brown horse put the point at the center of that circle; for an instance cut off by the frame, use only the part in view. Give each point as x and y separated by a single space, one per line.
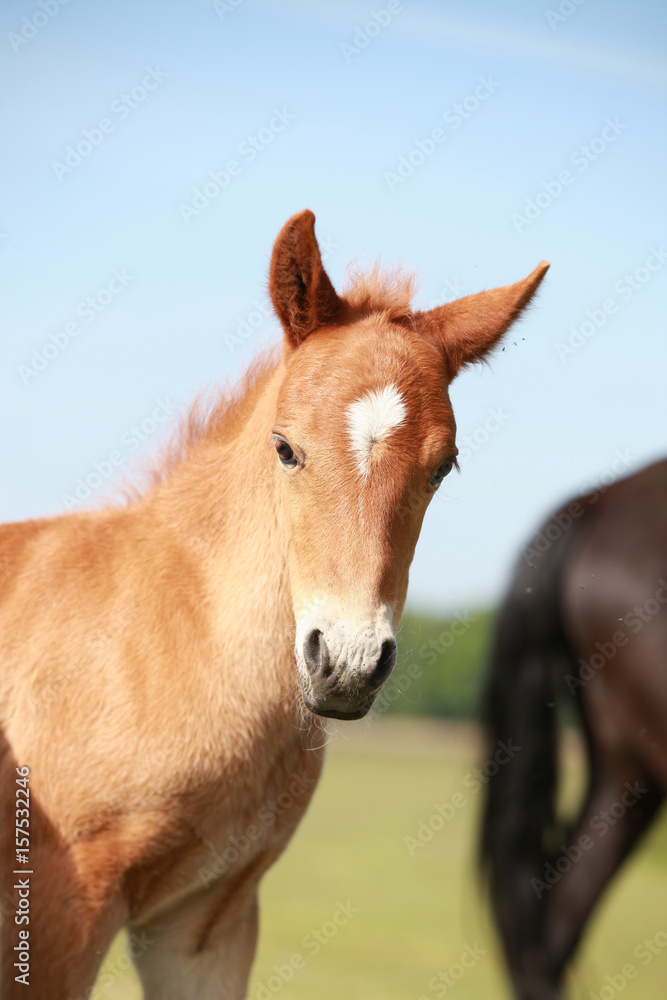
584 622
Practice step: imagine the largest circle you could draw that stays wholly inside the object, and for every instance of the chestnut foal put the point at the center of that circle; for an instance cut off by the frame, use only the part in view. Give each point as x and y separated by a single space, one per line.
164 663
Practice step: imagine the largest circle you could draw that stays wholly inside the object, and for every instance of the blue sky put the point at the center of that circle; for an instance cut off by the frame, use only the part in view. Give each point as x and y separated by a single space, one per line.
581 93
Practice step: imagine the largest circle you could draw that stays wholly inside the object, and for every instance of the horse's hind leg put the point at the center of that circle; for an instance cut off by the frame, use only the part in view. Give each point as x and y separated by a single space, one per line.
621 802
192 954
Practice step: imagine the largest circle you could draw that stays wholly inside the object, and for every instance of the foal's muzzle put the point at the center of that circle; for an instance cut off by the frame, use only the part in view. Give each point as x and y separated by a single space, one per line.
342 668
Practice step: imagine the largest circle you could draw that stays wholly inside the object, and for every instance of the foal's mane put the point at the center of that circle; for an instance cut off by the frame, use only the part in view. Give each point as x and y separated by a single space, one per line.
387 290
217 413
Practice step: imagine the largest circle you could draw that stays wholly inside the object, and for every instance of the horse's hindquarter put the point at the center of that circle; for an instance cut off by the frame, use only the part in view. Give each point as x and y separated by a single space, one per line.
615 593
163 771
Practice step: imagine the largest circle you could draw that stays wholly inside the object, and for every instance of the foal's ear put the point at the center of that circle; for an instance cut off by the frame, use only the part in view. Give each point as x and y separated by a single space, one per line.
467 329
301 291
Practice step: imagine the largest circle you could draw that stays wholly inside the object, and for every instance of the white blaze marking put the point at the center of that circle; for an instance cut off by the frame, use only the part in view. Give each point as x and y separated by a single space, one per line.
371 418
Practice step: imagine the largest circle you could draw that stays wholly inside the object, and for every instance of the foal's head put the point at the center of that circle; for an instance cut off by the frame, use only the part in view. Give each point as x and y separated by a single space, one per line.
364 435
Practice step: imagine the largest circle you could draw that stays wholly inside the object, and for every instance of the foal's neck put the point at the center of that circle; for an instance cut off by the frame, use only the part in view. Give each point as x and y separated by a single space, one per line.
224 504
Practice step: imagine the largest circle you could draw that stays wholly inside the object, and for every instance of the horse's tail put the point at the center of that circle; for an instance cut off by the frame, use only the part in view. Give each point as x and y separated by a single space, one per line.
530 653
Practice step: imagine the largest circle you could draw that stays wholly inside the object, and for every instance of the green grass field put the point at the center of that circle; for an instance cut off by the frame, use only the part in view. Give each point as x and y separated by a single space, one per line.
404 919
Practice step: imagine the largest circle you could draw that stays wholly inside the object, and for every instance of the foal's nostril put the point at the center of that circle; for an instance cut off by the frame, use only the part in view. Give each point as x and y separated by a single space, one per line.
315 653
385 664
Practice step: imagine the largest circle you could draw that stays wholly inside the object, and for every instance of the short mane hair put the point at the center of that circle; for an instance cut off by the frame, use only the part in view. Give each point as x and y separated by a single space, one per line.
388 290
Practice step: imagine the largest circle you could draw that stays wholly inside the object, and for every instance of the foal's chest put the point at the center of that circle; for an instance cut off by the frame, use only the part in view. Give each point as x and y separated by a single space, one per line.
226 833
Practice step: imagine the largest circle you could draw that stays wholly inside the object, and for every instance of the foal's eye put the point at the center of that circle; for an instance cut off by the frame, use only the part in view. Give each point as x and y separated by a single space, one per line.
285 453
441 472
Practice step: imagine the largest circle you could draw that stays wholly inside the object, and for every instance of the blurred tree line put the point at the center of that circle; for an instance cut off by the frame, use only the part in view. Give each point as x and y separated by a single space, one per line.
440 667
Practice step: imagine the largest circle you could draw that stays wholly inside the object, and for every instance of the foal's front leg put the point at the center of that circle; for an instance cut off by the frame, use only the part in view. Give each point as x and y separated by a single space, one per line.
70 925
197 953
